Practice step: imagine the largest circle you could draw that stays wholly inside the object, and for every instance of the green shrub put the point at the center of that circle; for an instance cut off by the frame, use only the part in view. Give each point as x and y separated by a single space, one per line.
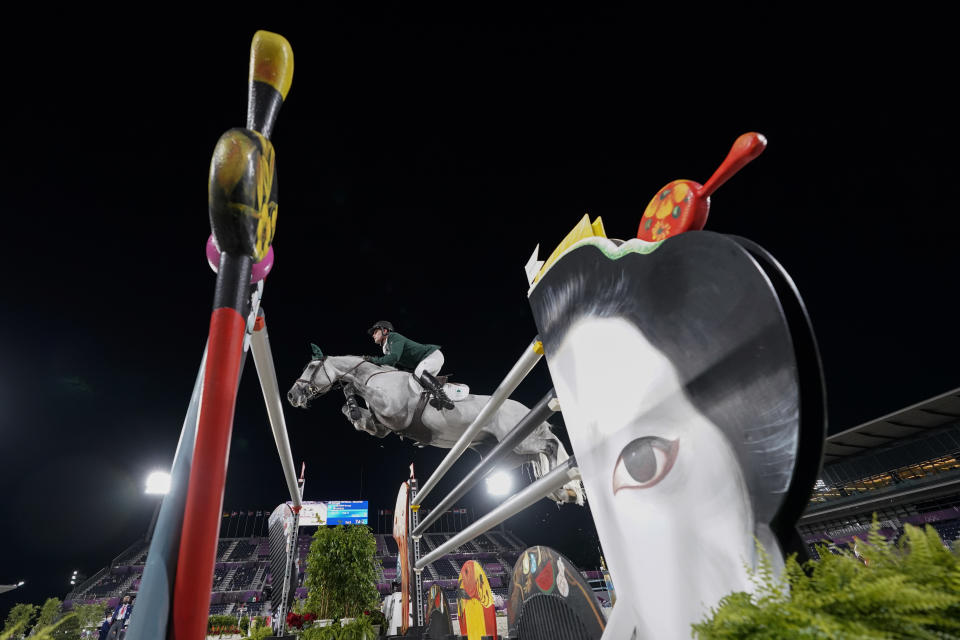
260 629
341 579
377 617
49 632
905 590
19 619
220 624
359 629
322 633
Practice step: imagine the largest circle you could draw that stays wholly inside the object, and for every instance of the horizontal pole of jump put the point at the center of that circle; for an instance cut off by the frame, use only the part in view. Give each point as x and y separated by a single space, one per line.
534 418
565 472
263 359
516 375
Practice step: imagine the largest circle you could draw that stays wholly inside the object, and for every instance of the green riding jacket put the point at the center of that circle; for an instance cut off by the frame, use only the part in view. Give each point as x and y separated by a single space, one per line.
402 352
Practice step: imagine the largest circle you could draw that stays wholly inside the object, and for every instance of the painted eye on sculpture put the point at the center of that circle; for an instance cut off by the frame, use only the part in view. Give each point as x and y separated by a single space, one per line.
644 462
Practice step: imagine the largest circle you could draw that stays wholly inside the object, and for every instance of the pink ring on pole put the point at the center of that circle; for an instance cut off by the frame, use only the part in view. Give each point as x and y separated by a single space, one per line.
260 269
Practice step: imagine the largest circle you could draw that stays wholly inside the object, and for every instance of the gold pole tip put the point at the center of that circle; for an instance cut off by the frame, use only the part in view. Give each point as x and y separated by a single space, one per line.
271 61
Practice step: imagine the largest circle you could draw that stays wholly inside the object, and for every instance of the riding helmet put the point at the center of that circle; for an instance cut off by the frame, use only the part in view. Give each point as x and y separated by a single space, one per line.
382 324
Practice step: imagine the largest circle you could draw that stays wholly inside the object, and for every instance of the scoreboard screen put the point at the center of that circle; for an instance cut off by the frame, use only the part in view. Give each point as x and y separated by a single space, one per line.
347 512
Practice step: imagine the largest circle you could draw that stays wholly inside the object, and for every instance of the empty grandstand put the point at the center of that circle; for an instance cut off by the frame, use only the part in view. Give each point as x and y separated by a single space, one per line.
905 467
242 570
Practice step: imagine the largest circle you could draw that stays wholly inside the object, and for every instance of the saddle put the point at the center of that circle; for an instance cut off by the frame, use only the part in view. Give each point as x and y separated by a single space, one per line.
416 429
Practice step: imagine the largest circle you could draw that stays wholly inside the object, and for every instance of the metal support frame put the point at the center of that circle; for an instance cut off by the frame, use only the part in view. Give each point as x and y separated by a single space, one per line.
287 572
565 472
415 541
534 418
516 375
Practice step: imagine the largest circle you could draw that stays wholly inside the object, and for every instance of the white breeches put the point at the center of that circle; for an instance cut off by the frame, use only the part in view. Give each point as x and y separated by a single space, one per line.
431 364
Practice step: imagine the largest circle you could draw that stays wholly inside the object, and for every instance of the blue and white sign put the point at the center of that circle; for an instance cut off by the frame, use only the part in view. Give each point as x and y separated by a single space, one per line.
333 512
347 512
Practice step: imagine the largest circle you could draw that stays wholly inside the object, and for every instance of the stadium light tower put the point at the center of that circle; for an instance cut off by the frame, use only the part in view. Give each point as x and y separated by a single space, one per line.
10 587
499 483
158 484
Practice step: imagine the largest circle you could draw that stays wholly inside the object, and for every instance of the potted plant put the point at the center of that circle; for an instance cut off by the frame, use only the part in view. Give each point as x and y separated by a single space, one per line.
359 629
377 620
341 577
325 632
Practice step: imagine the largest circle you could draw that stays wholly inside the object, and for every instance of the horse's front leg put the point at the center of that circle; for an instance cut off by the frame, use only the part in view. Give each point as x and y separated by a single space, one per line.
366 422
351 409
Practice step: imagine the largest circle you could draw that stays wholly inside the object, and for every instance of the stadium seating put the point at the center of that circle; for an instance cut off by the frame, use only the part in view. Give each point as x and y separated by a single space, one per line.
244 550
446 569
243 577
391 545
243 567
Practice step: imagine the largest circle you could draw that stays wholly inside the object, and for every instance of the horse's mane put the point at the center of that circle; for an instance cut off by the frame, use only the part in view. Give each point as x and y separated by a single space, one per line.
385 367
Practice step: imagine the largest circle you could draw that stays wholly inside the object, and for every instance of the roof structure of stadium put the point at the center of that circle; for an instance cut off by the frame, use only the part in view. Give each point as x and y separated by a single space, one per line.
904 467
918 419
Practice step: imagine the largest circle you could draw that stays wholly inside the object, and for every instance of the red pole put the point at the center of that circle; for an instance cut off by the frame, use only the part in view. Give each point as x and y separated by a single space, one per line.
242 197
201 520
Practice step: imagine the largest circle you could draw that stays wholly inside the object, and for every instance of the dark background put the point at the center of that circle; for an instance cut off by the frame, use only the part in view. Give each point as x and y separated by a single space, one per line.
419 164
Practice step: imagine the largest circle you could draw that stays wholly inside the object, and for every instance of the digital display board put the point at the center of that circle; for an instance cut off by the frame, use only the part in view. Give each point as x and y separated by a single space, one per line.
333 512
347 512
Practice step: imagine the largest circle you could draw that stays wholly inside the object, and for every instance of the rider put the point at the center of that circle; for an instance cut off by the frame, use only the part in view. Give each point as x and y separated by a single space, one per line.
424 360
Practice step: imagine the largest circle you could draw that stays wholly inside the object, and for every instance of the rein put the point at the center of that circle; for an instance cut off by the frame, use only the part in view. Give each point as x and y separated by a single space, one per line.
316 390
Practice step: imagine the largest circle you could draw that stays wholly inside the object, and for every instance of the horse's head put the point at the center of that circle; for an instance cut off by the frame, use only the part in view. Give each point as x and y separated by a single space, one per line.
314 381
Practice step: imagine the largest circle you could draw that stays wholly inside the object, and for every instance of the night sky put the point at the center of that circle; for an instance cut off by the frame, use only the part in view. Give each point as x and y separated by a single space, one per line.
418 167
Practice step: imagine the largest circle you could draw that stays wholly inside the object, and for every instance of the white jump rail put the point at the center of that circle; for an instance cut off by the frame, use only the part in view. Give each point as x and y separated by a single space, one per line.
263 359
533 419
516 375
566 471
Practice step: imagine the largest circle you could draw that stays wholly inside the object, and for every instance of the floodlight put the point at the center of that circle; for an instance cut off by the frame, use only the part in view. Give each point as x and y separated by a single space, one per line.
158 483
499 483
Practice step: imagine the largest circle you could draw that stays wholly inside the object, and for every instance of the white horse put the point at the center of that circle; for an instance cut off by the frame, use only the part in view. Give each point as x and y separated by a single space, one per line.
392 407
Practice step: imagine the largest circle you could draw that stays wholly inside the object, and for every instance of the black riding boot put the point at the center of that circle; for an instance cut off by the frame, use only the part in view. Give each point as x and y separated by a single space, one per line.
353 408
440 400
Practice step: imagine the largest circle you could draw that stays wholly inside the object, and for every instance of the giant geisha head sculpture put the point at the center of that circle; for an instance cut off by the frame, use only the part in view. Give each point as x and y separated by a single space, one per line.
691 389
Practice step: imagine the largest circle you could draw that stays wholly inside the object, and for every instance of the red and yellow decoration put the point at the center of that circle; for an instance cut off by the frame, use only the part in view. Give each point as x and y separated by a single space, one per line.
475 610
242 193
683 205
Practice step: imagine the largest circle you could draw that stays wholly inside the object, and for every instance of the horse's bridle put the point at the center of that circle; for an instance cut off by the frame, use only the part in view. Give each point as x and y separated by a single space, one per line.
310 384
331 384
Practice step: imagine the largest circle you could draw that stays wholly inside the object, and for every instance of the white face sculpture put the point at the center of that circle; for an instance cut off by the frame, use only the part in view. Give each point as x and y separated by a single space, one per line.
668 497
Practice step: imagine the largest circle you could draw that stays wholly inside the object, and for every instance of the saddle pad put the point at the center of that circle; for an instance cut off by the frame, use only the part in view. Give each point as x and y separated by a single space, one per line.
456 391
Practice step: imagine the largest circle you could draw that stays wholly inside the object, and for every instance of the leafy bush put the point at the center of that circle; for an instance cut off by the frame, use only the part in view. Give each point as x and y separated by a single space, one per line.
260 629
341 579
905 590
377 618
49 632
220 624
331 632
359 629
20 617
49 612
88 615
297 621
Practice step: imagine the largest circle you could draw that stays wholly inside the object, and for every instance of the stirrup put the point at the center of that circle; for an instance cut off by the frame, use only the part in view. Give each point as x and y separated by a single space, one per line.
440 401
